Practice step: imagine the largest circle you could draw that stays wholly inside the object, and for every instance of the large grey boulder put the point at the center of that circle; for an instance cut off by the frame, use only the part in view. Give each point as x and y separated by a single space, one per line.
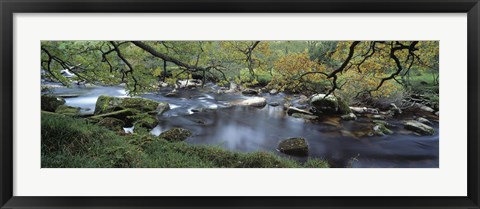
254 102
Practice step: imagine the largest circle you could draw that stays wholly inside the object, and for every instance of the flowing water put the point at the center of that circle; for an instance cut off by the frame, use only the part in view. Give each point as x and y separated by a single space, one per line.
214 121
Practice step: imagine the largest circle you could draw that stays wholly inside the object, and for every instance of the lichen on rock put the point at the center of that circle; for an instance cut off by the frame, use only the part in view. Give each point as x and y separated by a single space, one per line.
294 146
176 134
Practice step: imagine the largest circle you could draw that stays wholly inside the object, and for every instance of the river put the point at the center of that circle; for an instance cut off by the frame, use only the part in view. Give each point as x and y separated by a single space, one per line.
242 128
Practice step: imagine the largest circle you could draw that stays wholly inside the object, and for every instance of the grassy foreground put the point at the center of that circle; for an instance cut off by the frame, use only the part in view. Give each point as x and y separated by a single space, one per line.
77 143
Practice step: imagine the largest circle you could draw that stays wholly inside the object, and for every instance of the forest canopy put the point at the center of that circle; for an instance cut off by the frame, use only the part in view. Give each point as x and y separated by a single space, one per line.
358 71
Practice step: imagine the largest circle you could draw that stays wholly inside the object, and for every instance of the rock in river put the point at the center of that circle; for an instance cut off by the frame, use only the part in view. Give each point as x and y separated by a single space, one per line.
176 134
349 116
273 91
107 104
294 146
189 83
250 92
424 121
419 127
254 102
364 110
329 104
380 130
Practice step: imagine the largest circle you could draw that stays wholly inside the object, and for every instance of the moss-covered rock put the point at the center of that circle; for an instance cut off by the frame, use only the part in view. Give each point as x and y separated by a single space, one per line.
329 104
67 110
112 123
380 130
294 146
162 107
419 127
144 120
107 104
343 107
176 134
50 103
123 115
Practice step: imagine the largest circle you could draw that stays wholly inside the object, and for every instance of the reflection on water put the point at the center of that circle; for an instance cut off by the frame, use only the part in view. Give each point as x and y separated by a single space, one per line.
215 122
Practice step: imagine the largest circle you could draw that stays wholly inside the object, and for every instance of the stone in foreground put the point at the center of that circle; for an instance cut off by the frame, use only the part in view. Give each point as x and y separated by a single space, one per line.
176 134
419 127
112 123
67 110
51 103
294 146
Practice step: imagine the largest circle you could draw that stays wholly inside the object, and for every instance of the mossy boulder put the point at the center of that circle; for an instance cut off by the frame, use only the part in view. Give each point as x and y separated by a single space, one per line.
51 103
67 110
380 130
112 123
294 146
250 92
418 127
329 104
162 107
144 120
176 134
108 104
123 115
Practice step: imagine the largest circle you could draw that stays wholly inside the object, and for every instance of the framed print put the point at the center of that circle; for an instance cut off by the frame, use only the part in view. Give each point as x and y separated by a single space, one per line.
265 104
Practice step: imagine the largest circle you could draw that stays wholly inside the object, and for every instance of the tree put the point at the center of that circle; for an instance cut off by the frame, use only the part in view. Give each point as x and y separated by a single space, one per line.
366 68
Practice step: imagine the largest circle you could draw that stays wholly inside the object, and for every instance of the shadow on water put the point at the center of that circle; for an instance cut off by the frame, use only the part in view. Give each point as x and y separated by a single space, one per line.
241 128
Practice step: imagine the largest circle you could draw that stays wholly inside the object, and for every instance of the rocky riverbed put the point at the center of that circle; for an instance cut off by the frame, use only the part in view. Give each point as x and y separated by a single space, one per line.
248 120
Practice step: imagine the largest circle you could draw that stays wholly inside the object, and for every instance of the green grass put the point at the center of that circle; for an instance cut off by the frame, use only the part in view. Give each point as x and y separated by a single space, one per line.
423 83
77 143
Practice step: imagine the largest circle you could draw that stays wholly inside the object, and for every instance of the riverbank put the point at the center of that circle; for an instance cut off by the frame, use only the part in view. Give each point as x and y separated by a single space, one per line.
69 142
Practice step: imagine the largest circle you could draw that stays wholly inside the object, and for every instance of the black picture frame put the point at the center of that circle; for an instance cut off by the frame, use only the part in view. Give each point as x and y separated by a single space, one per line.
9 7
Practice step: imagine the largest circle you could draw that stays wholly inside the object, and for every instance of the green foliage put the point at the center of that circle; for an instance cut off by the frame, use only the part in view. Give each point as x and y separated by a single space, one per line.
76 143
292 66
